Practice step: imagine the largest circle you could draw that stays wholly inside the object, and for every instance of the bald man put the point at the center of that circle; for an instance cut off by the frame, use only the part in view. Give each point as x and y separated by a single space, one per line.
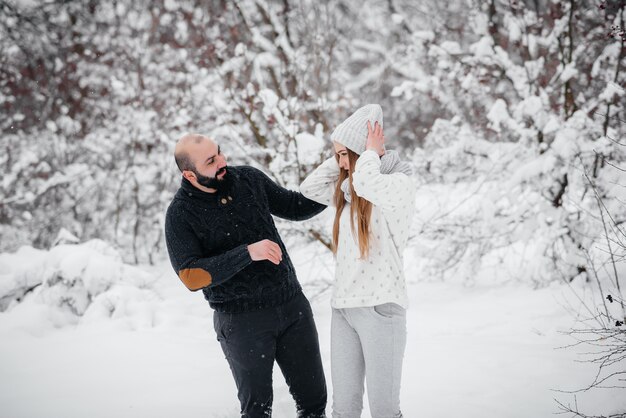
221 239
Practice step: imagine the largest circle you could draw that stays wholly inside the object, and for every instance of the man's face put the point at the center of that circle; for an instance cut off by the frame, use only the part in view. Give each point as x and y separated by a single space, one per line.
210 165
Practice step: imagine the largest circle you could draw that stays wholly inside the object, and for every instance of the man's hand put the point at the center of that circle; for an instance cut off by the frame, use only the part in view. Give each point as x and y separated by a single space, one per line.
265 250
375 139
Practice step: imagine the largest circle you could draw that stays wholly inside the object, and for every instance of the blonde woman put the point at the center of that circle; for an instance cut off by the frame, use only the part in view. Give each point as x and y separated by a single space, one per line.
374 199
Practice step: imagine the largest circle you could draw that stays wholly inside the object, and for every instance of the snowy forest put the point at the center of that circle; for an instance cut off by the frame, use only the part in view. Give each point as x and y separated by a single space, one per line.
512 114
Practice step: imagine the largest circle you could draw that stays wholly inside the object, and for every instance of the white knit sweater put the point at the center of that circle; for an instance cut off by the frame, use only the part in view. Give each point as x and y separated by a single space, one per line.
379 278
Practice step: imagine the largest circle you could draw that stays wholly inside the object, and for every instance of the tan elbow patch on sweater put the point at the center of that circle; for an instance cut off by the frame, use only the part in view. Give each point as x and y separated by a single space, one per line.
195 278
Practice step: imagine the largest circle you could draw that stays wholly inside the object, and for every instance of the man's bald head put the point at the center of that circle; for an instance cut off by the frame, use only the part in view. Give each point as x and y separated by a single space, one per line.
201 162
183 149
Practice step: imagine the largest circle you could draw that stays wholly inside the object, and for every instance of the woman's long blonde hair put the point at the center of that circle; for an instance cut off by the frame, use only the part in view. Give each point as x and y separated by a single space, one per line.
360 209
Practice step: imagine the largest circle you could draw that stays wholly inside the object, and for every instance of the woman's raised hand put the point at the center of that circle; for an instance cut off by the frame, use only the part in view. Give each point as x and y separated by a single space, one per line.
375 139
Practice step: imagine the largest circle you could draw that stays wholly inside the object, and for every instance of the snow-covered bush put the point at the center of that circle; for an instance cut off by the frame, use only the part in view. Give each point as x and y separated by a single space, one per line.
88 279
20 273
524 209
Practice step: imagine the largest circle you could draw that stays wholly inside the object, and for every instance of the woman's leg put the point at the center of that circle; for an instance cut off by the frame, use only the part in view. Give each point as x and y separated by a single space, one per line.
347 366
383 336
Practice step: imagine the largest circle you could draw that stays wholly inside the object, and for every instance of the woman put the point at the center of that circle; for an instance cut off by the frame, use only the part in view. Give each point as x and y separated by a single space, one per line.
374 196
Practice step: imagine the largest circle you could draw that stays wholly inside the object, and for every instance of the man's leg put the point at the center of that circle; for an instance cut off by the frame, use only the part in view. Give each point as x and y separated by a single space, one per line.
347 365
249 344
298 355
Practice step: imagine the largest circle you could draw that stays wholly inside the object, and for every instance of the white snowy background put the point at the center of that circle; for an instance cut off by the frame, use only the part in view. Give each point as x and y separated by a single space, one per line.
512 114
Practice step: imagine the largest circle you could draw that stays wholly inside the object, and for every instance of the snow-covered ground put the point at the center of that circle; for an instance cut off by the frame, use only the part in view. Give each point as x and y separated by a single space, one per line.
479 351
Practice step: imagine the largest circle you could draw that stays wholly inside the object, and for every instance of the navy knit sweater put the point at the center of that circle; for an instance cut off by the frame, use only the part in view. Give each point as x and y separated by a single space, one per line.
208 234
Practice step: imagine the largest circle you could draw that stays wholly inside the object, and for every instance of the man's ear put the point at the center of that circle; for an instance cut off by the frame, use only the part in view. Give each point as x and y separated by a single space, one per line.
189 175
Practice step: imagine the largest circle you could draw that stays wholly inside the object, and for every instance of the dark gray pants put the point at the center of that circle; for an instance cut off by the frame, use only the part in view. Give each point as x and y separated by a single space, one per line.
251 341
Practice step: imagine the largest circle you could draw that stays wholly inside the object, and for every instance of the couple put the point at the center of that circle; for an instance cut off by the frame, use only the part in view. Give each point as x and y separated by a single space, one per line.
221 239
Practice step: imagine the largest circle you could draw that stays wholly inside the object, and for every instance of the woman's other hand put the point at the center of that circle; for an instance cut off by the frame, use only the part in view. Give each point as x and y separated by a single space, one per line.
375 139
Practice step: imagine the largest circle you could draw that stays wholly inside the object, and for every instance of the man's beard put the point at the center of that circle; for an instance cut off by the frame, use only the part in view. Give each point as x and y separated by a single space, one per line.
213 182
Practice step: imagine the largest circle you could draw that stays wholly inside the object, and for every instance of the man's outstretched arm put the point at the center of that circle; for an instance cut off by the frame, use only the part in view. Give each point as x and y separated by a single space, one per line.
288 204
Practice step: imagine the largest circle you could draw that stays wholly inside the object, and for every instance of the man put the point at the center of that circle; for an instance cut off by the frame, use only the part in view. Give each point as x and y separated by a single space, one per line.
221 238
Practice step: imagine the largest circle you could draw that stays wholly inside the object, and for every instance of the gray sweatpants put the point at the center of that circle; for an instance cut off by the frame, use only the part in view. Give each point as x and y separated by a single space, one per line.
367 344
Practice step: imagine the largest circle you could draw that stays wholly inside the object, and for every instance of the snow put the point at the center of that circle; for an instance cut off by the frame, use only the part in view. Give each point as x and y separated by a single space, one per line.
69 277
14 274
568 72
269 99
610 51
452 48
27 3
515 32
531 106
170 5
369 46
482 351
498 115
611 91
369 74
397 18
482 48
532 45
310 147
565 144
408 88
423 36
51 126
240 49
552 125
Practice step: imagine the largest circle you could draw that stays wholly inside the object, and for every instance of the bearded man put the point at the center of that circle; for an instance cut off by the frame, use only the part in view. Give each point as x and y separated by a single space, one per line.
222 239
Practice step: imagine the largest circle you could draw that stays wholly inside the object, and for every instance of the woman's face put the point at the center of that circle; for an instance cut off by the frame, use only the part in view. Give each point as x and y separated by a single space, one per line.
342 156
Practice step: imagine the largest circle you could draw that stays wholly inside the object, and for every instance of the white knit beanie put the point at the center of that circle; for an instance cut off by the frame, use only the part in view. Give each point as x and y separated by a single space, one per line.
352 132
